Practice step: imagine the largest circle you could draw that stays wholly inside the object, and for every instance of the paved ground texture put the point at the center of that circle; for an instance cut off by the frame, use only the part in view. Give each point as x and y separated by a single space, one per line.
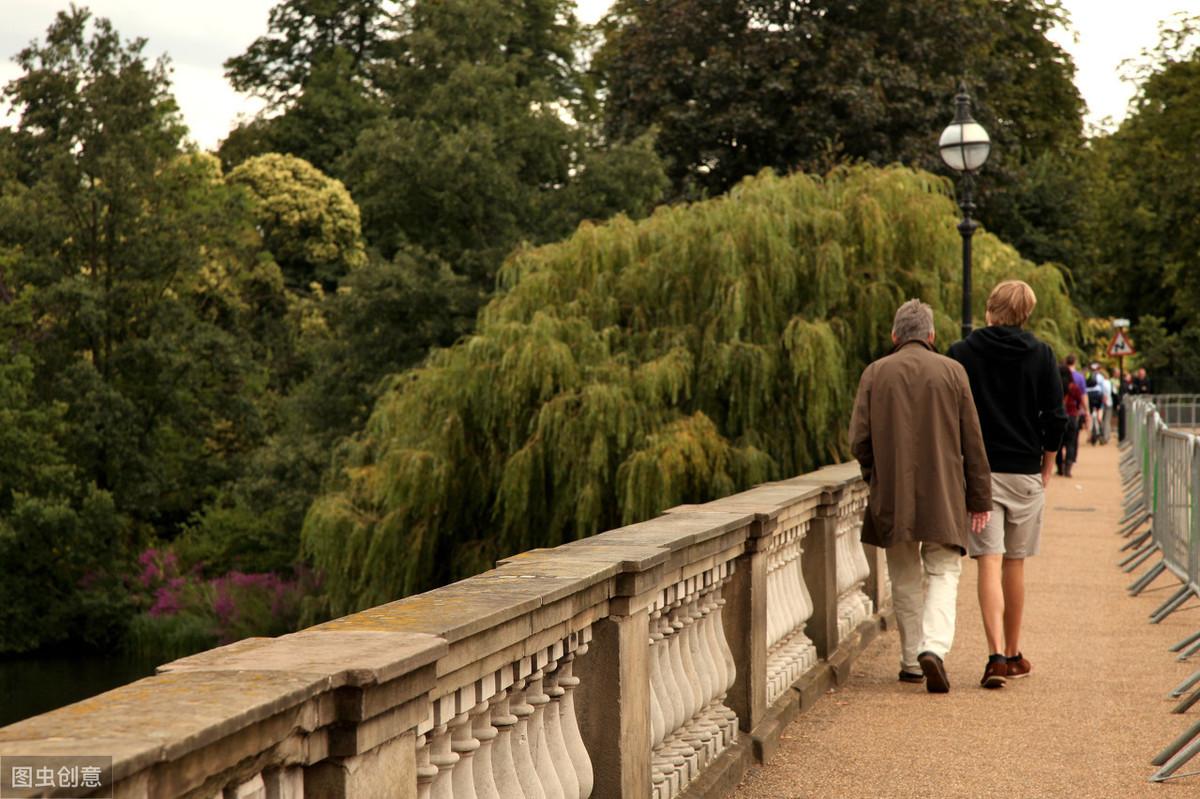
1085 723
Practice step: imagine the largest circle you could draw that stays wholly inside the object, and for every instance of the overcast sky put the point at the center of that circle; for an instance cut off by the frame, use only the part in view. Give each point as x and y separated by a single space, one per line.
199 36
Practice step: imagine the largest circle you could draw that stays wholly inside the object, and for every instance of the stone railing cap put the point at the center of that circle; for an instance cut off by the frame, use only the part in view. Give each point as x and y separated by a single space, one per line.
345 656
160 718
768 501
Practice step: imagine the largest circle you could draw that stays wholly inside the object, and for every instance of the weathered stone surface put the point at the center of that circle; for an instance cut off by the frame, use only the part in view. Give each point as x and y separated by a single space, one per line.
345 656
613 701
388 772
556 562
680 529
770 500
452 612
137 724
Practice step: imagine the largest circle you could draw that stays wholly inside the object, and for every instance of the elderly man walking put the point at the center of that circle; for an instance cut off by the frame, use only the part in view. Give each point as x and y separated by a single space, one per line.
915 433
1018 393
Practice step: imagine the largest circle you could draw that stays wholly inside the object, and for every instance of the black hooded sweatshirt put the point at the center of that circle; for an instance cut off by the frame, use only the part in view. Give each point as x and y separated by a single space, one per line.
1018 393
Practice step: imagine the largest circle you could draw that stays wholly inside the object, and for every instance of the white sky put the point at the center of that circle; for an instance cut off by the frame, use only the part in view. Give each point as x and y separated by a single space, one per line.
199 36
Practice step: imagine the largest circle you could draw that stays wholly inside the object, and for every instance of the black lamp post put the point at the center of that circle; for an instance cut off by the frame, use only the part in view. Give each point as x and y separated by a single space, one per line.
965 146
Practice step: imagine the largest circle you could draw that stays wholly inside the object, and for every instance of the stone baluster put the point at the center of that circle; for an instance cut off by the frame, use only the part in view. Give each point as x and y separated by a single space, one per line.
725 574
426 771
523 752
559 756
808 652
572 738
539 739
661 711
773 626
679 679
675 763
852 570
504 767
464 744
485 769
711 669
698 734
444 759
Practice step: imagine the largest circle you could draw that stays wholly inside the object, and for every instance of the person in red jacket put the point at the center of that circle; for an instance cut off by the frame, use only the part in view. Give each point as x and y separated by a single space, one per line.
1078 419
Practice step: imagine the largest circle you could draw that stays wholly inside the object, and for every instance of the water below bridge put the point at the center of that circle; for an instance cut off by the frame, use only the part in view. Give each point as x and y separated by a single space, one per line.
40 683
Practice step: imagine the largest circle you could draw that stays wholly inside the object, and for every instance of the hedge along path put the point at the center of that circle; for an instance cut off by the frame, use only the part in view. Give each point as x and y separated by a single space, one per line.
1085 723
640 365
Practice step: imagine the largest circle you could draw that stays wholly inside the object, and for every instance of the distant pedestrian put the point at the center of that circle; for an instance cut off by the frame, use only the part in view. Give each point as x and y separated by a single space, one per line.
1141 383
1118 397
1018 392
915 433
1109 401
1075 405
1099 403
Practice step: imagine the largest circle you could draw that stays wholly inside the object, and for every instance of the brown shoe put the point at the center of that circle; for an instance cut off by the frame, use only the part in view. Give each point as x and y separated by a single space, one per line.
995 673
908 676
936 681
1018 666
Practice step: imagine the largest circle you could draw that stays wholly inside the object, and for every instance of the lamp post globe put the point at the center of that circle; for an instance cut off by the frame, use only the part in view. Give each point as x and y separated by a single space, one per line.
965 146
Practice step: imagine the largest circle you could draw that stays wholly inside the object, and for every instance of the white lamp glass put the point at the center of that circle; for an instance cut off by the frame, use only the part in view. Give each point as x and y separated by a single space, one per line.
965 146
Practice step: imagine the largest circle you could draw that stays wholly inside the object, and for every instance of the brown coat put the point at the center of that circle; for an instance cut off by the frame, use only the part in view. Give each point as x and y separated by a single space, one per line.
915 432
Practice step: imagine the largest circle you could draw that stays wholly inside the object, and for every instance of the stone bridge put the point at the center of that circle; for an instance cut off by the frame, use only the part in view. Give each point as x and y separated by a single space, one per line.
654 660
664 659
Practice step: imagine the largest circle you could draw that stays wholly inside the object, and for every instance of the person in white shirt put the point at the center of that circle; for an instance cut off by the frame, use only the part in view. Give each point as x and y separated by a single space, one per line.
1107 397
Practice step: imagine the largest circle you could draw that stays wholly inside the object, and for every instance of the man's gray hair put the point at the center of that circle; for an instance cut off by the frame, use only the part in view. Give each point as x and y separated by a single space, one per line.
914 320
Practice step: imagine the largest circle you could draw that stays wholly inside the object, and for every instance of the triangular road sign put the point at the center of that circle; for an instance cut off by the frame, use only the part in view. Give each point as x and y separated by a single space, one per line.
1120 346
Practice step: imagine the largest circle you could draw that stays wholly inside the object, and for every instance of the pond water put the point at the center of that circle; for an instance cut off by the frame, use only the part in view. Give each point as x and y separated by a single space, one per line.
37 684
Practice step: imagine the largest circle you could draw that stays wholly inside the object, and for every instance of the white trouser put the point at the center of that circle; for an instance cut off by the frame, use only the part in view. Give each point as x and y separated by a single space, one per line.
924 594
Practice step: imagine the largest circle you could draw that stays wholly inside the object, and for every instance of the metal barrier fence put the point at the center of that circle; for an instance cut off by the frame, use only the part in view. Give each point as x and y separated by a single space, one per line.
1160 467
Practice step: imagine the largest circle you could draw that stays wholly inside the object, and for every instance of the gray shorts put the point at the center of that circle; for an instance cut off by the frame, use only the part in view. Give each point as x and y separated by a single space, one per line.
1015 529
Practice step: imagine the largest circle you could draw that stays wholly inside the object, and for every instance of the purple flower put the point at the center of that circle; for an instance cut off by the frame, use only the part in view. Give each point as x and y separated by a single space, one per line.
166 602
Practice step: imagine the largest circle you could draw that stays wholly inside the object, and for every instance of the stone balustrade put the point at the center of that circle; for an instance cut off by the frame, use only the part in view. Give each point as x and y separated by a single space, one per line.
653 661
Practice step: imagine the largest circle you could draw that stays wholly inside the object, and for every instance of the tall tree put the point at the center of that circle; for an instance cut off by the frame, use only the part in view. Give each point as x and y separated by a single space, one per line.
1147 204
638 365
315 68
733 86
143 274
462 127
307 219
485 145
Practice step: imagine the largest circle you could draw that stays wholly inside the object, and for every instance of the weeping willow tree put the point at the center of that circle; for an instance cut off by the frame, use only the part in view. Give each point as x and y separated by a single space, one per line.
639 365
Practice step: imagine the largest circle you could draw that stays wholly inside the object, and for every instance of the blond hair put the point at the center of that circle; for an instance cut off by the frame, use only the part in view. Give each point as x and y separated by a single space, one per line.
914 320
1011 303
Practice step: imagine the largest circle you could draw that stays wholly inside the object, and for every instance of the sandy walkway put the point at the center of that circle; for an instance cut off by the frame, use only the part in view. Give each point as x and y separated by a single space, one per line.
1086 722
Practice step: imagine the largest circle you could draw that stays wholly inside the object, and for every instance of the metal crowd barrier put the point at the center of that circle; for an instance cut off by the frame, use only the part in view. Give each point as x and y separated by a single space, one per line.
1160 470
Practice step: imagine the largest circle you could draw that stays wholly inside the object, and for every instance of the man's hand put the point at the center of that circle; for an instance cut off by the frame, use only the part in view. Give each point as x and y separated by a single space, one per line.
979 521
1047 467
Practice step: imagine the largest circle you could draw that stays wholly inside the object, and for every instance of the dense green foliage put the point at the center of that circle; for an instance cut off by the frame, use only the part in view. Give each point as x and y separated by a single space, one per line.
198 346
1147 206
639 365
462 127
733 86
132 292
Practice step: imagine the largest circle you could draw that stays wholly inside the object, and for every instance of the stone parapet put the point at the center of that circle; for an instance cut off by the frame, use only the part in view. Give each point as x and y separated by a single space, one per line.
636 663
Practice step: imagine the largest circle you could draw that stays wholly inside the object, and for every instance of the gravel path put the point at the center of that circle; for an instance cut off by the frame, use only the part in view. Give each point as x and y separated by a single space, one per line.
1085 723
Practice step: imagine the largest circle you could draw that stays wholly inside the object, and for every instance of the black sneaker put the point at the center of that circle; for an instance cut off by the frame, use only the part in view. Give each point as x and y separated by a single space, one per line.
936 681
908 676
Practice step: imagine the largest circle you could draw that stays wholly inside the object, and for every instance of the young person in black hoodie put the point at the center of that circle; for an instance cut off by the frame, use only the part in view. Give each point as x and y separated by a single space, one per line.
1019 396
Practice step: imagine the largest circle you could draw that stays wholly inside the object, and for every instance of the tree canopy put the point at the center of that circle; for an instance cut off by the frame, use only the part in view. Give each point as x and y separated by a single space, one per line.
1147 204
638 365
733 86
